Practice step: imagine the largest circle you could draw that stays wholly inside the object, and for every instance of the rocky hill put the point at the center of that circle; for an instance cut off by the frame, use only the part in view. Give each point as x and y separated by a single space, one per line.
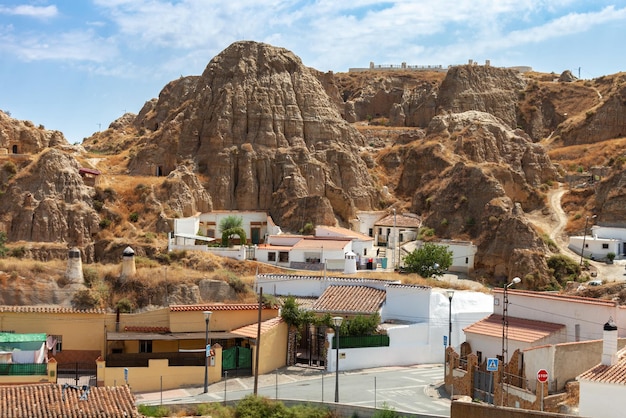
472 151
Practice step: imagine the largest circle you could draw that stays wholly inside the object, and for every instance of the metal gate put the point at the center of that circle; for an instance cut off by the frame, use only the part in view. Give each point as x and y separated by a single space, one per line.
310 349
483 386
237 361
79 374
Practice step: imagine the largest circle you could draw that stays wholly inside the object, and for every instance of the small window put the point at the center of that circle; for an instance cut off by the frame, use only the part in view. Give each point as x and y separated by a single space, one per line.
271 256
371 232
210 233
466 260
605 246
364 251
480 356
145 346
283 256
59 344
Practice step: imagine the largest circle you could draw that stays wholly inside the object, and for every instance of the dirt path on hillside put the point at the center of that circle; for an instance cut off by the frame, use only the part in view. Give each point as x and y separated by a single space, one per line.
553 223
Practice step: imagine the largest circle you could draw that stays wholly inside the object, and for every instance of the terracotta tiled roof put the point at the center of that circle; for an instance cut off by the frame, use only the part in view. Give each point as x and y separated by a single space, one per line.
347 280
322 244
250 331
523 330
555 296
47 401
407 220
350 299
132 328
217 307
337 231
601 373
47 309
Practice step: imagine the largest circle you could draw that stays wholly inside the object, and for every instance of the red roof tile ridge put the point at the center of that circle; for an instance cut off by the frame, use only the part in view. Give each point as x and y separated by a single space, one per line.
558 296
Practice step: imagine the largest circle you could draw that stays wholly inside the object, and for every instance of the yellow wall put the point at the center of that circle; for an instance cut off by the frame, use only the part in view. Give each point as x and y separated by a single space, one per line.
80 331
273 352
148 379
220 320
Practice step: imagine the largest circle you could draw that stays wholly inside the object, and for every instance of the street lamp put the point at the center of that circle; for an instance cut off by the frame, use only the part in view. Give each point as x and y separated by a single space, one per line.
505 329
450 293
337 320
582 250
207 317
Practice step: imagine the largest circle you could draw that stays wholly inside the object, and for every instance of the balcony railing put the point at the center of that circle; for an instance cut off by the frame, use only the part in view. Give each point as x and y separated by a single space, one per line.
380 340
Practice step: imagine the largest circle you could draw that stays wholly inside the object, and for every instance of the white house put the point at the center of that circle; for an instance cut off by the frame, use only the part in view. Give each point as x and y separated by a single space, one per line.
603 388
362 245
537 318
304 252
463 253
603 240
205 227
416 318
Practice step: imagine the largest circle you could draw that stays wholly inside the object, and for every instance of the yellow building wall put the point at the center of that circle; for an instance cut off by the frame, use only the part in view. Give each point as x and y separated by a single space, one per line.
148 379
80 331
165 346
155 318
220 320
273 353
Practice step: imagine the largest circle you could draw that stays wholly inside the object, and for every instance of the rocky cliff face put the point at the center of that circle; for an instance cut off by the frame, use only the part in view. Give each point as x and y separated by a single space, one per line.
259 125
47 201
23 137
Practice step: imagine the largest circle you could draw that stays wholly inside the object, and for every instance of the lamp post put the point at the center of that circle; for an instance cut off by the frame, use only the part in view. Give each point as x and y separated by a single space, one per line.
505 329
207 317
582 250
395 241
450 293
337 320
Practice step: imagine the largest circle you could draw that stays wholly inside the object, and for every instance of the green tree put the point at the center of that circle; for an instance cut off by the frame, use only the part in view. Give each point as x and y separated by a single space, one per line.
231 226
429 260
3 239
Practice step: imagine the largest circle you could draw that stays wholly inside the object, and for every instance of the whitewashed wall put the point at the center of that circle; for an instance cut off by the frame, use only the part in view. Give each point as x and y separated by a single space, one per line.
601 400
309 286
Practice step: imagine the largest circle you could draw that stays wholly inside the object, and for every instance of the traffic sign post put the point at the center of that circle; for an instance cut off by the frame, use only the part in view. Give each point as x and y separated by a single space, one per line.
542 377
492 364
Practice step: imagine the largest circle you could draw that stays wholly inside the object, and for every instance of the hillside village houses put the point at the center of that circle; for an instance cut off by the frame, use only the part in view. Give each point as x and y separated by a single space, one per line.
377 240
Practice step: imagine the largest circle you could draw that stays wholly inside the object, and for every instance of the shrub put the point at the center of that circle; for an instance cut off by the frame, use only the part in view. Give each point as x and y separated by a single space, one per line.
124 305
85 299
104 223
237 284
3 239
153 410
10 167
133 217
90 275
18 252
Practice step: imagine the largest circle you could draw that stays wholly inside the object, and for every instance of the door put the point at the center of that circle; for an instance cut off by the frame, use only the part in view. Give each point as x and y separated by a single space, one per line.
483 386
255 236
237 361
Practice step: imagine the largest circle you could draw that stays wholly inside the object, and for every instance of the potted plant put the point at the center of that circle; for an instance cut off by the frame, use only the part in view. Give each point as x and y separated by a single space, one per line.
610 257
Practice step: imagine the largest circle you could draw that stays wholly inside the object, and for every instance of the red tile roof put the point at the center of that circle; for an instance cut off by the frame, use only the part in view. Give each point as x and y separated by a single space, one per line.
159 330
523 330
53 401
250 331
47 309
407 220
556 296
601 373
217 307
350 299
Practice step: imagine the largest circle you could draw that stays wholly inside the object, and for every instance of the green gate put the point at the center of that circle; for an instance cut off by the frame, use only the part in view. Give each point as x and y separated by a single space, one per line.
237 359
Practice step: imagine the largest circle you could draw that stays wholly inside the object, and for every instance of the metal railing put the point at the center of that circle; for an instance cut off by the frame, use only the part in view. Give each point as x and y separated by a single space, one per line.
23 369
362 341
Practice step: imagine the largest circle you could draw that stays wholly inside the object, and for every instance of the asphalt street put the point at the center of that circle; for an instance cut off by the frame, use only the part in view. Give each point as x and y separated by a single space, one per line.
413 389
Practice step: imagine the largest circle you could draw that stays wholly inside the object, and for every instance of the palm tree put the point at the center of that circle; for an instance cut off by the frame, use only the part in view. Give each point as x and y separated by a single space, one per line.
231 226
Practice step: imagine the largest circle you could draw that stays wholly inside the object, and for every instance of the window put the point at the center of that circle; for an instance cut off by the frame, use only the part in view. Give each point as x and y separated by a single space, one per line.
480 356
59 344
271 256
210 233
605 246
371 232
283 256
380 231
466 260
145 346
364 251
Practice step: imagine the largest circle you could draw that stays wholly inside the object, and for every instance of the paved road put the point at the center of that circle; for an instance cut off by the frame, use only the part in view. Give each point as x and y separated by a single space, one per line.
405 389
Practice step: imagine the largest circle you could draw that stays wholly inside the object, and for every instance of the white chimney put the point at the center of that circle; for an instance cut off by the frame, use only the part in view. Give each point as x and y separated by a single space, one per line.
609 345
74 271
128 263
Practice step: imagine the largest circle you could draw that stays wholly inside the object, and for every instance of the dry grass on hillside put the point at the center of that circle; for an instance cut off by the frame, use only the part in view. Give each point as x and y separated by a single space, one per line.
588 155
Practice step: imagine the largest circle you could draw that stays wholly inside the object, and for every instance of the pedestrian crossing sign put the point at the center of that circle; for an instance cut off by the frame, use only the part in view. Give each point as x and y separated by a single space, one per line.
492 364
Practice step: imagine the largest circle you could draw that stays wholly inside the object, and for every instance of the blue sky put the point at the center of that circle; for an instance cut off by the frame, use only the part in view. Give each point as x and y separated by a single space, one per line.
77 65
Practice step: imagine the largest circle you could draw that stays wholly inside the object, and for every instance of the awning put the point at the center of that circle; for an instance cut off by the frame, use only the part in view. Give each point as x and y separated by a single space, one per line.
171 336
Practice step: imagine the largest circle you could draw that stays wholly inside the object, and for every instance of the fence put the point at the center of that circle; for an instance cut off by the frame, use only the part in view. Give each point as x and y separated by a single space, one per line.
362 341
18 369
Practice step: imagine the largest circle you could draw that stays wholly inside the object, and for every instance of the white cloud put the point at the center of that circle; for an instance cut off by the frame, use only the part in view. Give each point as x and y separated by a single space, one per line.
39 12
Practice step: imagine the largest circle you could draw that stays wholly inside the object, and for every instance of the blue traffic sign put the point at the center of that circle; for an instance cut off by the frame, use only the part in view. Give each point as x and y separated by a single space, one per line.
445 340
207 351
492 364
